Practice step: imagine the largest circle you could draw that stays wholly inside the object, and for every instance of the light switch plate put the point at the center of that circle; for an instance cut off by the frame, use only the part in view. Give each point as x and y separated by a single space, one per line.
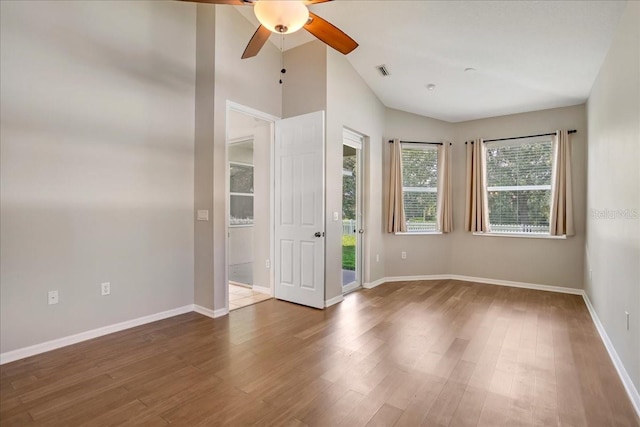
203 215
336 216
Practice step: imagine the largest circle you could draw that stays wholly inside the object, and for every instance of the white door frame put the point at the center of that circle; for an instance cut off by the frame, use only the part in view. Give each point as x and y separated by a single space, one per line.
239 108
356 140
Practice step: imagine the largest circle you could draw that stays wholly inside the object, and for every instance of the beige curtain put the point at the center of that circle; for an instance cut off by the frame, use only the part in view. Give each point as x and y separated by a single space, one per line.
395 219
444 214
477 206
561 220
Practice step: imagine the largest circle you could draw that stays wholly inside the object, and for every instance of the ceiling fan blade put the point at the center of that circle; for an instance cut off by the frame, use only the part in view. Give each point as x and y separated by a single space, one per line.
258 40
330 34
230 2
308 2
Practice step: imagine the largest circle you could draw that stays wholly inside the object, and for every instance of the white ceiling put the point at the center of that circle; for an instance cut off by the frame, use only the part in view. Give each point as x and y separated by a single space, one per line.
529 55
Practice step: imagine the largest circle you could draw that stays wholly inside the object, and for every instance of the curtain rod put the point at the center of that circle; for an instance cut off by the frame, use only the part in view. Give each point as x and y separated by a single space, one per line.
418 142
526 136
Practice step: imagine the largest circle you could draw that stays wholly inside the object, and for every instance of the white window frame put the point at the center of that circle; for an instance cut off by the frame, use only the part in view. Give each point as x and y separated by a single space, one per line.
425 147
231 194
508 143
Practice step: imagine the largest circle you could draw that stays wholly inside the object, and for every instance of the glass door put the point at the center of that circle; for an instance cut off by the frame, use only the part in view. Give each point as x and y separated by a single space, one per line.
352 217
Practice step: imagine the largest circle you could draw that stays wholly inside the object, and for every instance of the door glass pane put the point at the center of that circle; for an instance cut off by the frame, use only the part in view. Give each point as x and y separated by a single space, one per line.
349 214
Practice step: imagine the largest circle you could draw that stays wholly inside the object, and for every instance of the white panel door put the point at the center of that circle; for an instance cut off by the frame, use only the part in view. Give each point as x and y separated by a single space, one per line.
299 210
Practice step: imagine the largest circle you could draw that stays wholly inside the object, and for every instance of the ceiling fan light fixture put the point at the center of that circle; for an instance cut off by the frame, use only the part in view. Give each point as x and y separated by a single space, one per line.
281 17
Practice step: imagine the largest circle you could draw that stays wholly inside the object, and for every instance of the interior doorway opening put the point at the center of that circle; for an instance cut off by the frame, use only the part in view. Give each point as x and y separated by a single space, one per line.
249 206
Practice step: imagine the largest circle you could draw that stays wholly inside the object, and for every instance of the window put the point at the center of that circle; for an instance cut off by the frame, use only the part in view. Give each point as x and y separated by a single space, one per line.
420 186
519 185
240 194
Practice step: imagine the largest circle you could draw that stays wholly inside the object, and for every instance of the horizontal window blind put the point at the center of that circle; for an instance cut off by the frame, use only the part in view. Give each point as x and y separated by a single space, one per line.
519 186
241 194
420 186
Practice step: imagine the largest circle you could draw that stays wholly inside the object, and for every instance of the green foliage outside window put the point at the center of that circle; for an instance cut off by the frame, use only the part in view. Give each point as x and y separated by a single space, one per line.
519 167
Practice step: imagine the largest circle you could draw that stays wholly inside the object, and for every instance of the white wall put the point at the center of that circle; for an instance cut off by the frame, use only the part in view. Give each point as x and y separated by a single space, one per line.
96 164
613 237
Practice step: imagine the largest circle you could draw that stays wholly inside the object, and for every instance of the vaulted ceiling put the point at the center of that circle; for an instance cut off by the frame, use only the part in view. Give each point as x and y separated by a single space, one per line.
526 55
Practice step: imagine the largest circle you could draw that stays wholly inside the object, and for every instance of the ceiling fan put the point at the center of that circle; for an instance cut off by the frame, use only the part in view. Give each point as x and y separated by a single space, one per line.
286 17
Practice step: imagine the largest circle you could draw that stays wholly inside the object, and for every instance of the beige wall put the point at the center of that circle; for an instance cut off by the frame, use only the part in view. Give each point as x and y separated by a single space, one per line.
262 145
351 104
613 242
96 165
426 255
305 83
203 137
500 258
539 261
253 83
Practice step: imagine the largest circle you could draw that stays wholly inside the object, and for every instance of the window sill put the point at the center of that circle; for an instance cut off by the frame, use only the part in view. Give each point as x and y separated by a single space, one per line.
416 233
522 235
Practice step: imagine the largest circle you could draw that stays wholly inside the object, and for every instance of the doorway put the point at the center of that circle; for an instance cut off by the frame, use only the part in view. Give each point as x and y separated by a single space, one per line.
352 212
249 143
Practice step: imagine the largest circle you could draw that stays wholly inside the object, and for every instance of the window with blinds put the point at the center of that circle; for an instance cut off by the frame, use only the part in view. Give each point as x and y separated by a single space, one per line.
420 186
519 185
240 194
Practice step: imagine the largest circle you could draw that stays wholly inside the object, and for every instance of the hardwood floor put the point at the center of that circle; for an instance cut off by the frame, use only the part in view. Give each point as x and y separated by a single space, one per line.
438 353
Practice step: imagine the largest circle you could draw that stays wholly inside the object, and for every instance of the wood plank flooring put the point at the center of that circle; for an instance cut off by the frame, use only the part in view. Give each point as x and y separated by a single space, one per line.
436 353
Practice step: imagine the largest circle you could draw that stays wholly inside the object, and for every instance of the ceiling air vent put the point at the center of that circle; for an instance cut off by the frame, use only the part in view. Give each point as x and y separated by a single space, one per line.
382 69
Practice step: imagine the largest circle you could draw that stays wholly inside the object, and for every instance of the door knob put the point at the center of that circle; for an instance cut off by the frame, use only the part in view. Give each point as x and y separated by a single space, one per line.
319 234
361 231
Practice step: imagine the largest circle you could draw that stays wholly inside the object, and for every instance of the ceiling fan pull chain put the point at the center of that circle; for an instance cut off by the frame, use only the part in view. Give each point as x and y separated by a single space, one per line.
282 69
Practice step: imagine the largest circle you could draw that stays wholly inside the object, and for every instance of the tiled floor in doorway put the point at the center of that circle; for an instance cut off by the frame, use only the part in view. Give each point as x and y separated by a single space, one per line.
240 296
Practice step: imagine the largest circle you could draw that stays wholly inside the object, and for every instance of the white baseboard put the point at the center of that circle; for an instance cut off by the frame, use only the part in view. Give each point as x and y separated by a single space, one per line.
524 285
498 282
632 391
262 290
415 278
333 301
210 313
371 285
21 353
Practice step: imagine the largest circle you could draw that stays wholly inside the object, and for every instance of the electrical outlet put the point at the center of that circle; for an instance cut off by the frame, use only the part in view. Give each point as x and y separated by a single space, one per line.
267 264
590 274
403 255
105 288
52 297
336 216
626 313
